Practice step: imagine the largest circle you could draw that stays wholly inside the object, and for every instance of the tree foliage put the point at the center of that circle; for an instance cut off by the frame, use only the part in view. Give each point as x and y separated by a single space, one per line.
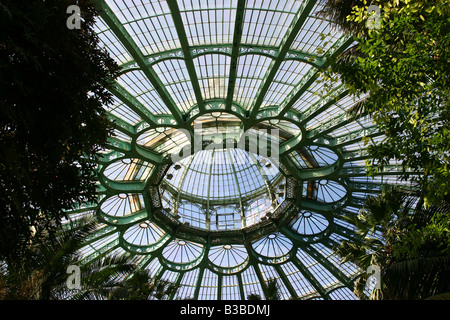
53 85
410 246
402 70
42 271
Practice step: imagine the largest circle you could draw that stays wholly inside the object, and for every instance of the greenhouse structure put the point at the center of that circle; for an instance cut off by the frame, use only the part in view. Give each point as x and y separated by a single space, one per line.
234 164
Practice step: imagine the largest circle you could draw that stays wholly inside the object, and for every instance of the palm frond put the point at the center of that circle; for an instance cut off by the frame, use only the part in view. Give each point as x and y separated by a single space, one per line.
66 243
418 278
102 277
272 290
359 109
442 296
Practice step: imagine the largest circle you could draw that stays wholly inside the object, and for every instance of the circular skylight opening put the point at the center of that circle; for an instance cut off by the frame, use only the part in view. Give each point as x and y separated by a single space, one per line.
221 189
221 176
143 225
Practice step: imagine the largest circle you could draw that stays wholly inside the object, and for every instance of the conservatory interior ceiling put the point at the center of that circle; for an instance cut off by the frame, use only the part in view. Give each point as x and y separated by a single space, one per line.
233 161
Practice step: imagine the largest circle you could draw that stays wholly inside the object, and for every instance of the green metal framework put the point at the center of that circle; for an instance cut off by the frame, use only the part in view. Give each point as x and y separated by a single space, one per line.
222 229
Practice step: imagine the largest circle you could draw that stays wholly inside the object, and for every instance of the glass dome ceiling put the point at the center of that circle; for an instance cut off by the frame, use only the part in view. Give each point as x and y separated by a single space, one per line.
233 162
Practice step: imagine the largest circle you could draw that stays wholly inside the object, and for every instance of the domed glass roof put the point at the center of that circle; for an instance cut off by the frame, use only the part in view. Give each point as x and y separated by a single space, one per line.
233 162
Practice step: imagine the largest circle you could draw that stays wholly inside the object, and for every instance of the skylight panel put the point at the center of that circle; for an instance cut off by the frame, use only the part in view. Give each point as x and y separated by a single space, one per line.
143 234
276 94
154 267
270 273
265 21
342 294
173 73
230 288
138 84
111 43
291 71
208 22
305 101
148 22
181 251
187 284
154 34
208 287
213 72
122 111
301 285
250 282
251 70
328 116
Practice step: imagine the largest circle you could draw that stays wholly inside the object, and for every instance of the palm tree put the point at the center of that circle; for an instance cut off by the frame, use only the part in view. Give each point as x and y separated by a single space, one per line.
384 227
102 278
142 286
271 292
42 273
254 296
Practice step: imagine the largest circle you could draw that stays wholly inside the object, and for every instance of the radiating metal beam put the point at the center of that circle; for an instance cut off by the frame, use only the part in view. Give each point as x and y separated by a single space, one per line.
188 59
286 281
340 45
329 266
122 125
309 277
286 43
238 27
122 34
134 104
241 205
